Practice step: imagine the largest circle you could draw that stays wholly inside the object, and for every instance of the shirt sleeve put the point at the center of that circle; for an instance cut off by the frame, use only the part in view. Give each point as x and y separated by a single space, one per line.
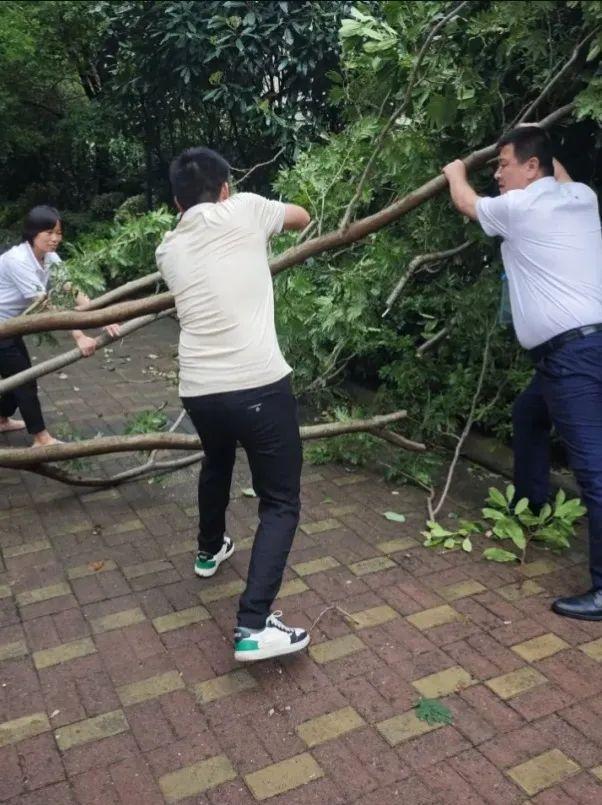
25 278
494 215
268 214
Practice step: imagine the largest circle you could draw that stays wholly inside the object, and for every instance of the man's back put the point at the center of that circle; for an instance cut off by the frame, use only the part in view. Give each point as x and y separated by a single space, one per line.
215 263
552 253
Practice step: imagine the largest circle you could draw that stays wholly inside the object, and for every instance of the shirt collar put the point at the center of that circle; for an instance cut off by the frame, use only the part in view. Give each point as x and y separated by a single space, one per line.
540 183
31 254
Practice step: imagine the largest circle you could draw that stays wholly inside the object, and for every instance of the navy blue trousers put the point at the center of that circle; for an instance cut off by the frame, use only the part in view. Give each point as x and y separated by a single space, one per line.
565 393
264 421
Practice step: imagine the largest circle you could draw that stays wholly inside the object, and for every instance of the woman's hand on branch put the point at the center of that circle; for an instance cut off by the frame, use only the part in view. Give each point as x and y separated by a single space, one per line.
87 345
114 330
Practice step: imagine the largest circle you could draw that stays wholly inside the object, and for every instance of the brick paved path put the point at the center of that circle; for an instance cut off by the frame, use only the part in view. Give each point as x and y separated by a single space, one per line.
117 680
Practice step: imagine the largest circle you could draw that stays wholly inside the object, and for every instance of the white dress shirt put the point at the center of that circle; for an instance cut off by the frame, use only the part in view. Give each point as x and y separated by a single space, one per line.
552 255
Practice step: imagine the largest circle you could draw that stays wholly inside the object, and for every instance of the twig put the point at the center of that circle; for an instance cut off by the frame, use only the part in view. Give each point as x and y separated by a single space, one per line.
417 264
434 339
37 304
434 510
123 291
398 440
343 612
522 116
73 355
259 165
297 254
396 113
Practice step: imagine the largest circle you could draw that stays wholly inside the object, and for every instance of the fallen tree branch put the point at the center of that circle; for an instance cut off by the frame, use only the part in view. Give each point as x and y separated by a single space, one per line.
398 440
73 320
249 171
73 355
123 292
419 263
24 457
396 113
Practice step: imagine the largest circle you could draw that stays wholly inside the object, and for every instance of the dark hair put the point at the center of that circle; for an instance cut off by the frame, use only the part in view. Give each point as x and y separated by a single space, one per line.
528 142
197 175
40 219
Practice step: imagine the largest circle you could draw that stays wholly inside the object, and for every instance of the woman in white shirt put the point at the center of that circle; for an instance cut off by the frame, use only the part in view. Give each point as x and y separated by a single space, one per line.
24 277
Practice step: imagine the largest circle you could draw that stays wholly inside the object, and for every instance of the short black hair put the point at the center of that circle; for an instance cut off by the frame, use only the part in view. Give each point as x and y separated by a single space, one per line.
197 175
528 142
40 219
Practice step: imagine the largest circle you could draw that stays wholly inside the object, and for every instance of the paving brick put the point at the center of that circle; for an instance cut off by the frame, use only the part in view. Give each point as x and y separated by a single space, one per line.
19 729
41 762
320 526
332 725
396 545
91 729
543 771
520 590
150 688
462 589
218 591
593 649
283 776
145 568
134 782
374 565
193 780
403 727
226 685
335 649
10 651
444 682
437 616
292 587
176 620
516 682
118 620
539 568
316 566
26 548
91 569
374 616
341 766
540 647
63 653
485 778
43 594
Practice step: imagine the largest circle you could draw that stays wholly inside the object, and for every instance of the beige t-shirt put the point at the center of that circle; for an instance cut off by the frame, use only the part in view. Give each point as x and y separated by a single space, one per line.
215 263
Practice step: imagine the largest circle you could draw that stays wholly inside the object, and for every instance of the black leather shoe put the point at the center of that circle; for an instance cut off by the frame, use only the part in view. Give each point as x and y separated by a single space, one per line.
586 607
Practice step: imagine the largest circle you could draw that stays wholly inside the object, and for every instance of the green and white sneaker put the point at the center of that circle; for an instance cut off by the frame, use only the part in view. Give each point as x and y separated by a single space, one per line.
274 640
206 564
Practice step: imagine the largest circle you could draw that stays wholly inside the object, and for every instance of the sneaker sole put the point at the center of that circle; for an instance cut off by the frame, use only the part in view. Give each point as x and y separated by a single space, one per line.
269 653
206 574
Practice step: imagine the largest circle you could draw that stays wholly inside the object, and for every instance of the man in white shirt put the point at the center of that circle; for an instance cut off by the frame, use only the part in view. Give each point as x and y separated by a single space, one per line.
552 255
234 381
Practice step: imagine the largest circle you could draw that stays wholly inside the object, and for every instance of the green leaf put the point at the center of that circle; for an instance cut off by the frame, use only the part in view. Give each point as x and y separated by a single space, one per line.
433 712
395 517
546 511
493 514
510 492
467 545
521 506
496 497
249 493
450 542
499 555
560 498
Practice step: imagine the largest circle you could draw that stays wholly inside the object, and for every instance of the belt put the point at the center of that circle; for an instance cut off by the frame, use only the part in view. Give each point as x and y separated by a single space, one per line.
540 351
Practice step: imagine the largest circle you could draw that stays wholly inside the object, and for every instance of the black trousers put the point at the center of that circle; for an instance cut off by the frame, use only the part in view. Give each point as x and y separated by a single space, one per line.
14 358
264 420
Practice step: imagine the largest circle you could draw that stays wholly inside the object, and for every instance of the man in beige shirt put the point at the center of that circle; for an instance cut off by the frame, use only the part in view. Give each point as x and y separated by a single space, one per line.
234 382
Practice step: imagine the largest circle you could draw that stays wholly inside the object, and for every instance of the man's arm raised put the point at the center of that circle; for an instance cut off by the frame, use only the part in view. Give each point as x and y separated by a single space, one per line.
463 196
295 217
